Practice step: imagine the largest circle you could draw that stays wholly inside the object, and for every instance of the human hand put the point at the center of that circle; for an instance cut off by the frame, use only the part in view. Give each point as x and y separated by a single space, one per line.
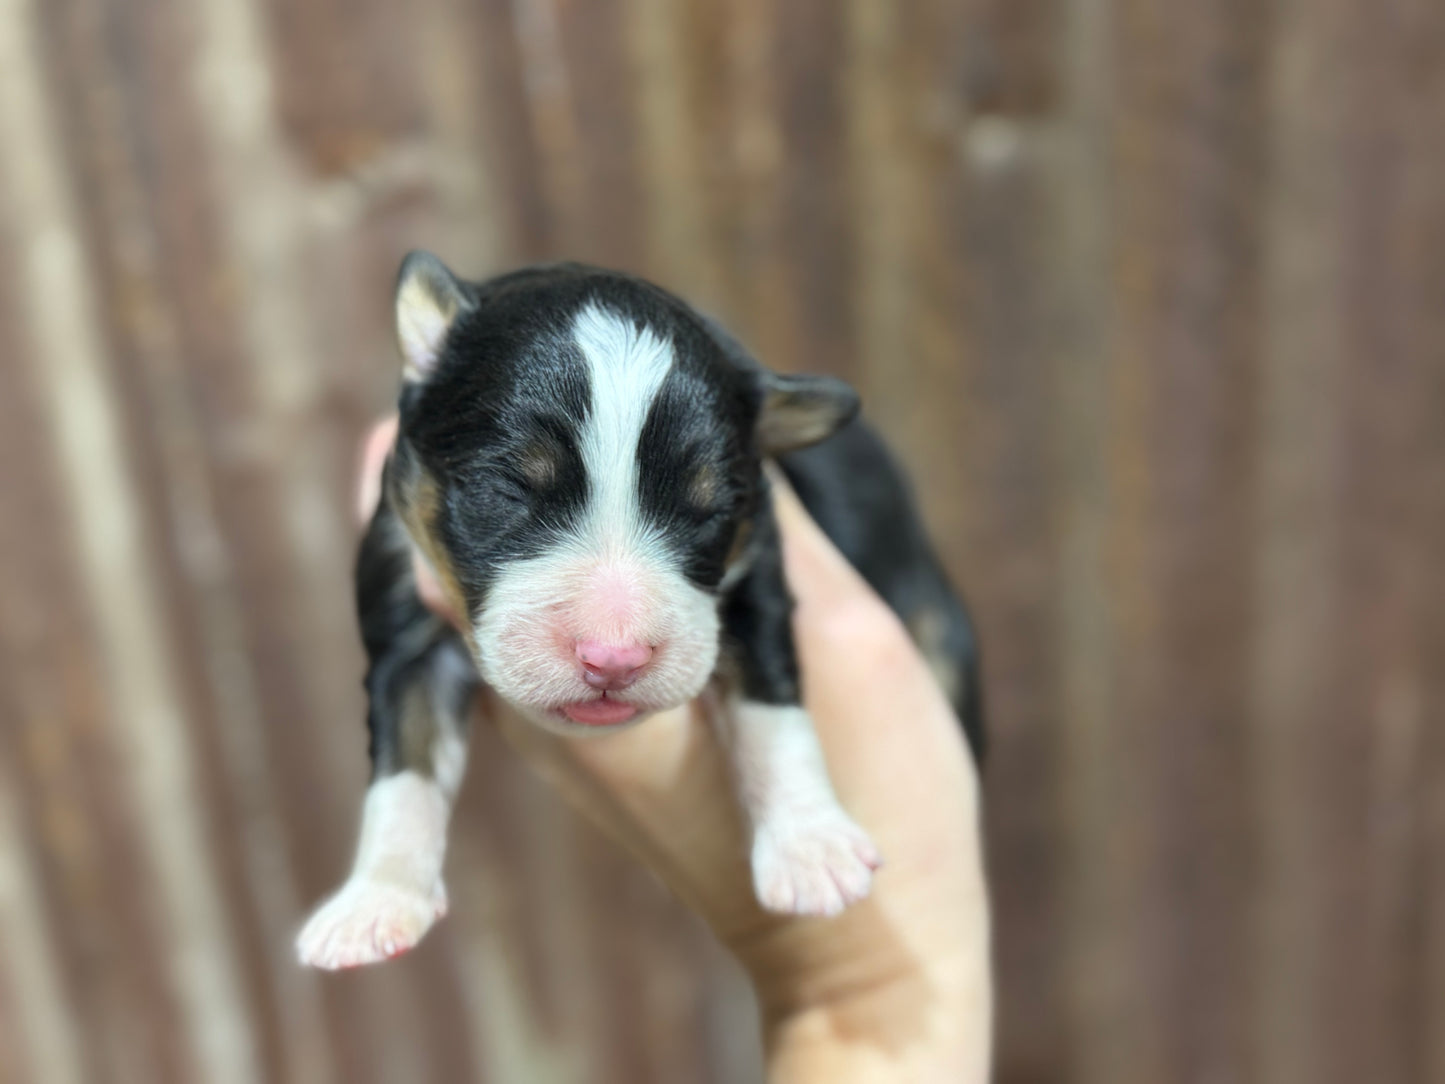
898 986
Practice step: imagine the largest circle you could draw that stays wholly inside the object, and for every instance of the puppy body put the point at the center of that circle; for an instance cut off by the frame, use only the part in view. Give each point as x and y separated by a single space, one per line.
579 463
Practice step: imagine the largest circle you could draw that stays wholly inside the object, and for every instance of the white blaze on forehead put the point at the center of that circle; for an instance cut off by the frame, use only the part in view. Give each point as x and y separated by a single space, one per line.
626 366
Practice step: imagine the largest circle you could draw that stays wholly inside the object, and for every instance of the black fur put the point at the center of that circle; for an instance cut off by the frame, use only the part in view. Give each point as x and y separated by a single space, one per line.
410 652
757 620
697 422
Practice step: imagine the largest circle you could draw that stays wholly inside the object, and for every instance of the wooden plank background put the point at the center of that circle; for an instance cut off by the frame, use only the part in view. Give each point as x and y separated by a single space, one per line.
1151 297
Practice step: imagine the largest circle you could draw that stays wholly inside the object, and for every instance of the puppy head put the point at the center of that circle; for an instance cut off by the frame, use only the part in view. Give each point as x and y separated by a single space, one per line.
578 458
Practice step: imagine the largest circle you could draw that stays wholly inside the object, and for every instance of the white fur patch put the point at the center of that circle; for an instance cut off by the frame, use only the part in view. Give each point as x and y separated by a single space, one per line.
614 580
625 368
808 856
395 891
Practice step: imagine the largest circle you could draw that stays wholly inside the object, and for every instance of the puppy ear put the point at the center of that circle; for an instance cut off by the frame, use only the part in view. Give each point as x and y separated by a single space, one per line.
429 298
799 410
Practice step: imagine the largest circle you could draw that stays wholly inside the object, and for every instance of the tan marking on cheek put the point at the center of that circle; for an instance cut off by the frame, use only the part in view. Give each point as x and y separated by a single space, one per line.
740 543
705 485
928 628
419 506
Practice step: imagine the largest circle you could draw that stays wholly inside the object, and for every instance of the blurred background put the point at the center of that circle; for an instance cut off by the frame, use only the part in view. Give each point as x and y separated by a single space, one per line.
1149 295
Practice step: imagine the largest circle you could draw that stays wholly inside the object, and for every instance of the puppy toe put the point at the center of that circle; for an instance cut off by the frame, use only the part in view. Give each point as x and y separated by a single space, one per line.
368 921
813 864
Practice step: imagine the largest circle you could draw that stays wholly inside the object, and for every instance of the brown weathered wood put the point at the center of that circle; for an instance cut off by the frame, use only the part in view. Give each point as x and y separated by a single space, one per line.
1151 299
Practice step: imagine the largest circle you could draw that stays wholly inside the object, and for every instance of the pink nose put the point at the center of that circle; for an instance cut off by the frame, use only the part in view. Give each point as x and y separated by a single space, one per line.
612 666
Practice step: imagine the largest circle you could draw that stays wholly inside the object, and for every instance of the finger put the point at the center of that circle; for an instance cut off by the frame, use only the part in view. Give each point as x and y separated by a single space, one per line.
814 566
832 600
374 450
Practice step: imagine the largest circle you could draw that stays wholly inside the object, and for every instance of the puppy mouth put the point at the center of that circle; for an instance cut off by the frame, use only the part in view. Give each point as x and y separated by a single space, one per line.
599 711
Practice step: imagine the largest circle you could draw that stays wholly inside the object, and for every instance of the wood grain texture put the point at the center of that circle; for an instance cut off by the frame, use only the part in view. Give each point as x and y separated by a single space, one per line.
1150 298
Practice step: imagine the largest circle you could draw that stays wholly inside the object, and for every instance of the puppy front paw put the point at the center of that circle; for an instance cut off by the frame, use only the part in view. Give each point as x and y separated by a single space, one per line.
368 921
812 860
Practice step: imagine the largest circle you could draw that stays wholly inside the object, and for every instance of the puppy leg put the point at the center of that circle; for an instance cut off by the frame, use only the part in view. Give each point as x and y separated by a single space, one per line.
420 682
808 856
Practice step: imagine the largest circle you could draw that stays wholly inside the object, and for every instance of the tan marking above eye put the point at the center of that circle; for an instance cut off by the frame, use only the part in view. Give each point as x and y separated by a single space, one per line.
705 486
538 465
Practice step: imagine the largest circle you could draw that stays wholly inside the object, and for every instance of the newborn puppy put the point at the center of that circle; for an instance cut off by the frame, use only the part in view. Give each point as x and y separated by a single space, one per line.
579 466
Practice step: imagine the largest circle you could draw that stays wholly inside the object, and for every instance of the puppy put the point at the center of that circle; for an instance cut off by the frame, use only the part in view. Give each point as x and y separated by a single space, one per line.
579 465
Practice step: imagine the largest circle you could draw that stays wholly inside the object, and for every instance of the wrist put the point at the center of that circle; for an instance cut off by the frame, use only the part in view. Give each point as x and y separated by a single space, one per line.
852 1000
910 1026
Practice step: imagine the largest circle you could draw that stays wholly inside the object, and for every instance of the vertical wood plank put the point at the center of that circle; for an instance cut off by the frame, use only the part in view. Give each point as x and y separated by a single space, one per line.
1299 670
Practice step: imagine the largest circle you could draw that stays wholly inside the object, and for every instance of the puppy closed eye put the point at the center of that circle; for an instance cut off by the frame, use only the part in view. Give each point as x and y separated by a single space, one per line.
521 476
538 465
